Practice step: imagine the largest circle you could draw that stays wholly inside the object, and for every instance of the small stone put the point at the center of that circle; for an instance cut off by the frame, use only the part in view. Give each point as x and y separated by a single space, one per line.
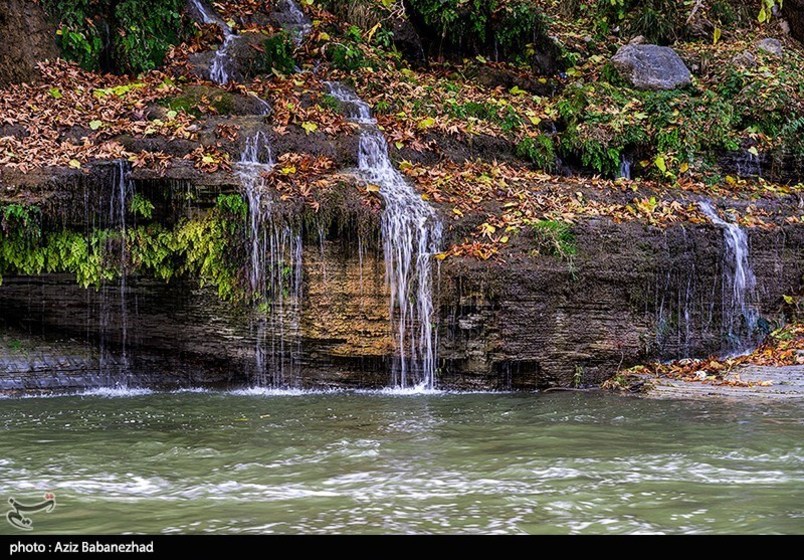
771 46
745 59
651 67
638 40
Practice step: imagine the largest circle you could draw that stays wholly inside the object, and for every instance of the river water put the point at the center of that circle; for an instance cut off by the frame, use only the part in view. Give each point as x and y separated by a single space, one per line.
263 462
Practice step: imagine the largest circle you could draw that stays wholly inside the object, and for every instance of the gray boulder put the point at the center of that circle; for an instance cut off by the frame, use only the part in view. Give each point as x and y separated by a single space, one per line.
771 46
651 67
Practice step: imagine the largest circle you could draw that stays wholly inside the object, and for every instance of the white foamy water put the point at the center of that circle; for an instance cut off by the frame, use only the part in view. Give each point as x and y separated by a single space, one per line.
411 233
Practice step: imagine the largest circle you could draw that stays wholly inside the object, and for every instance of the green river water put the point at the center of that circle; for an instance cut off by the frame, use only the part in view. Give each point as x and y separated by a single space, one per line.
284 462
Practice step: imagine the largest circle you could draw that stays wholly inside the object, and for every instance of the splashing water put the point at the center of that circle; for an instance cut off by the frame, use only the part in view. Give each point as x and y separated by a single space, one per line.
739 282
411 236
274 271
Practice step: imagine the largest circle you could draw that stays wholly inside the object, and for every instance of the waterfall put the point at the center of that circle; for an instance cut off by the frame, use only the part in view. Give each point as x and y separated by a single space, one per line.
294 20
739 283
625 168
219 67
274 270
121 190
411 235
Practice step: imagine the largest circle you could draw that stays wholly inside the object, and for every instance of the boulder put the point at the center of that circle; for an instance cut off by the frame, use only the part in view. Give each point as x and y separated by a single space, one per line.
651 67
771 46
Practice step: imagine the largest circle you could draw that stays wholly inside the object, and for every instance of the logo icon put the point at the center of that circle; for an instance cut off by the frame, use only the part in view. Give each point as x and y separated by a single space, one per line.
16 516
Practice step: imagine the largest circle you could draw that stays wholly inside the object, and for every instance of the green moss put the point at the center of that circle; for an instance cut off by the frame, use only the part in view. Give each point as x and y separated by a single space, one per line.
219 100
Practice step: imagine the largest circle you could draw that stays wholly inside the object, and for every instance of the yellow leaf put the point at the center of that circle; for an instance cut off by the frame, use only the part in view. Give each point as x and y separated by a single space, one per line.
323 36
426 123
716 36
457 212
288 170
753 150
372 31
788 300
684 167
75 164
504 239
399 145
309 127
659 161
731 180
441 256
372 188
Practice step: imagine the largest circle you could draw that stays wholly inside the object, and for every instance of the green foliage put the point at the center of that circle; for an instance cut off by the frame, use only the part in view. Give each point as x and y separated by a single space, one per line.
659 21
346 57
330 102
504 27
540 150
279 53
141 206
555 238
209 248
134 34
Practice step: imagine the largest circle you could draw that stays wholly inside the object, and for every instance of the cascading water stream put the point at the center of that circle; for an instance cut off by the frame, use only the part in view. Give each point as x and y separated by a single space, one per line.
219 67
121 191
274 271
294 20
411 234
739 283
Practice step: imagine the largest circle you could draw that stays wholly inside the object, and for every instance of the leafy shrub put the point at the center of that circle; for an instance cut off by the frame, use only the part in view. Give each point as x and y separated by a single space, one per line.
121 35
502 28
540 150
279 53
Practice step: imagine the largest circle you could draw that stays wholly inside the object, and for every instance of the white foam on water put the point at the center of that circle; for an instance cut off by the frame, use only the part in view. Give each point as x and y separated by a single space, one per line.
114 392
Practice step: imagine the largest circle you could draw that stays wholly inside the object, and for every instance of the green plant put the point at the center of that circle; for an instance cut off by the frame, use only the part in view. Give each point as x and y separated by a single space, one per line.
130 35
508 28
555 238
141 206
346 57
539 150
279 53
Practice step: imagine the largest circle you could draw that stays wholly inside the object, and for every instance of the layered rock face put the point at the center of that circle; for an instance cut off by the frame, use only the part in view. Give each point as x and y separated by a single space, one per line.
631 293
